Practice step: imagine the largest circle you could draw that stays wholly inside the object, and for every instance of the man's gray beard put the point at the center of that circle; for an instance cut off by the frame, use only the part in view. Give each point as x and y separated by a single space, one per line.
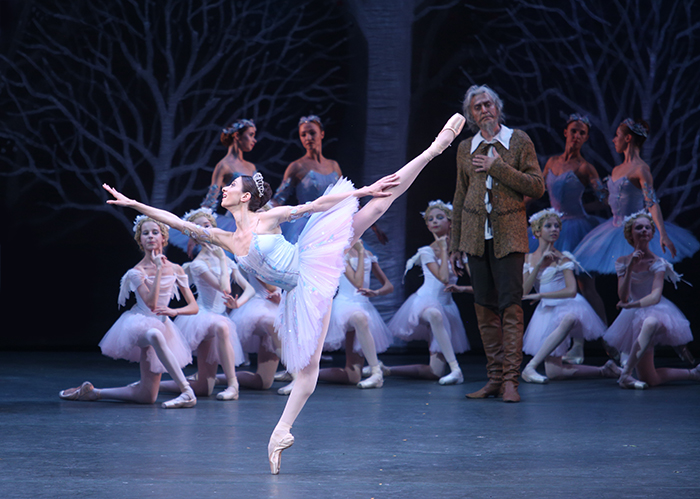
490 128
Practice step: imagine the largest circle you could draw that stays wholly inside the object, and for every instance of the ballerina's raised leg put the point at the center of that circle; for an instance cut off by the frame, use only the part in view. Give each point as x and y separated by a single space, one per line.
306 379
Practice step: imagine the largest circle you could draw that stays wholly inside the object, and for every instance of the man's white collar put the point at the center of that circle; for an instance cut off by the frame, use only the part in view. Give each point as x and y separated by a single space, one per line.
503 136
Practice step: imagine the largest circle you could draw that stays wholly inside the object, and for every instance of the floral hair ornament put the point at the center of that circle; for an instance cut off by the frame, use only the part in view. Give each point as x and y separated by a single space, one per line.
202 209
259 183
439 204
139 220
549 212
312 118
636 128
578 117
238 125
635 215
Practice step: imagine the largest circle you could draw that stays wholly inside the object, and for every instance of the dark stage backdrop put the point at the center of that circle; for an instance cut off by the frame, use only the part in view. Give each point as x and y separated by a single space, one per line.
95 91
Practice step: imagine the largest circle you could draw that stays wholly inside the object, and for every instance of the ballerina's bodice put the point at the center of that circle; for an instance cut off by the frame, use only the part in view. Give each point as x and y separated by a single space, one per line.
552 278
565 193
313 185
168 290
641 282
272 259
345 287
432 285
209 298
624 199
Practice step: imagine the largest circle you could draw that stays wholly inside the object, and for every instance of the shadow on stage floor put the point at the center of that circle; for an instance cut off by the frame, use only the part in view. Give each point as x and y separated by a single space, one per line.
410 439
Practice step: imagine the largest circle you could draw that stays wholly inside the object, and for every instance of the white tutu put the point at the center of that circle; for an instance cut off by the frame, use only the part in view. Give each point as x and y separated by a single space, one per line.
250 317
308 271
121 341
343 309
674 329
548 316
407 323
196 328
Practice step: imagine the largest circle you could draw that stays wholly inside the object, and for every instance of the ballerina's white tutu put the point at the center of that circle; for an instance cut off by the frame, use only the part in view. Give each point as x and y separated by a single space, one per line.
349 301
249 318
121 341
551 311
674 329
307 272
212 311
407 324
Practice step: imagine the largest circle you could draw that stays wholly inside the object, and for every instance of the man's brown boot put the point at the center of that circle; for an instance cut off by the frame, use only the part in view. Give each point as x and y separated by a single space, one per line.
512 351
491 337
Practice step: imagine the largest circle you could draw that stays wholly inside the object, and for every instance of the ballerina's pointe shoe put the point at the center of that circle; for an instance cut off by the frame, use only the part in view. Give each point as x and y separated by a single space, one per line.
530 375
627 381
185 400
610 370
449 132
275 448
454 378
367 370
231 393
85 392
376 379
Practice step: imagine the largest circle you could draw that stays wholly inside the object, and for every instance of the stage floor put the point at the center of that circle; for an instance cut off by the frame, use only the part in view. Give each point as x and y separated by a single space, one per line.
410 439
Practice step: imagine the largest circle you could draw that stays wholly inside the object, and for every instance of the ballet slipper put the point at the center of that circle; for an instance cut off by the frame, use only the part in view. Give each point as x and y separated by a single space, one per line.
287 389
283 376
575 354
610 370
367 370
454 127
230 393
275 448
530 375
627 381
85 392
184 400
376 380
193 377
695 373
454 378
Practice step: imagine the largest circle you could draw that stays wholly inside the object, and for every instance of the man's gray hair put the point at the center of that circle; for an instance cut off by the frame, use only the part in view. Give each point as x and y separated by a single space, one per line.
473 91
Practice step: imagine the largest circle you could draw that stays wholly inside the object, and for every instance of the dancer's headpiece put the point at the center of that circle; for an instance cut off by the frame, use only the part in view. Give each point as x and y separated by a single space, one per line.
238 125
636 128
259 183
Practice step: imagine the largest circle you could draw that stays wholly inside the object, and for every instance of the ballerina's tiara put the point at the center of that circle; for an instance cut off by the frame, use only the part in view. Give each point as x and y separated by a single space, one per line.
637 128
257 176
438 203
202 209
579 117
139 220
637 214
238 125
312 118
549 212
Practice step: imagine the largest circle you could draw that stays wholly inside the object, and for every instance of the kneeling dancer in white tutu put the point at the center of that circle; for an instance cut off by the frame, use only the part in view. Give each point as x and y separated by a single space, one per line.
562 313
647 318
145 333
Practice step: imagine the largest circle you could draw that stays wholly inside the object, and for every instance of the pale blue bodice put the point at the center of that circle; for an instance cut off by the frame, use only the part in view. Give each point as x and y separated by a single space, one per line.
272 259
565 193
313 185
624 199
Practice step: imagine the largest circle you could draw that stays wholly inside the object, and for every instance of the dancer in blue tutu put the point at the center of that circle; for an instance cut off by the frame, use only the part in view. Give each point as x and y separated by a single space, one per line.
630 189
308 271
239 138
567 176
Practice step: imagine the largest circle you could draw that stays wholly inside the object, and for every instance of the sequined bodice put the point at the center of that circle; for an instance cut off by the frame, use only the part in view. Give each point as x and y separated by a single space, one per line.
272 259
624 199
565 192
313 185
